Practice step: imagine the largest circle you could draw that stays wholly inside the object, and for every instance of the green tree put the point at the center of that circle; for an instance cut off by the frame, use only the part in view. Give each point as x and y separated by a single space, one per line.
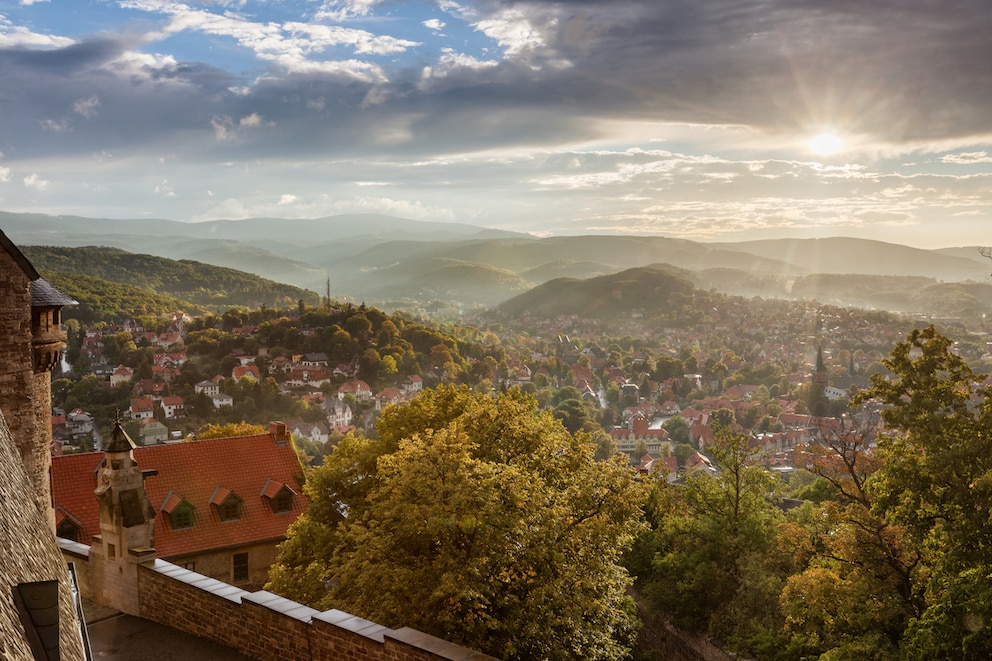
677 428
936 482
477 520
708 558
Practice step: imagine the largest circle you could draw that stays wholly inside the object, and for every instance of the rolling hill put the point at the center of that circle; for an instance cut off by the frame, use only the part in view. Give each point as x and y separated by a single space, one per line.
650 291
377 259
205 286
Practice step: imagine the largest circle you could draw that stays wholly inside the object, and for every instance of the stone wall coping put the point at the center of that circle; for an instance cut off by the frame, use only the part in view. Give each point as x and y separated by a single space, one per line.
199 581
281 605
73 548
354 624
437 646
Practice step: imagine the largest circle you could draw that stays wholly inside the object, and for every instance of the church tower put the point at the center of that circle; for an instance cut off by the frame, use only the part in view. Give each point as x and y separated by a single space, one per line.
820 372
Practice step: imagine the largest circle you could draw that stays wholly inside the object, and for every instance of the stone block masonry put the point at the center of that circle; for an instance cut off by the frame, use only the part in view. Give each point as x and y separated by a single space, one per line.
263 625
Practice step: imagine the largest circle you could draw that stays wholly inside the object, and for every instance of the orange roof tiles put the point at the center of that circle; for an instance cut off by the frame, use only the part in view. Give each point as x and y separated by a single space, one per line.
245 465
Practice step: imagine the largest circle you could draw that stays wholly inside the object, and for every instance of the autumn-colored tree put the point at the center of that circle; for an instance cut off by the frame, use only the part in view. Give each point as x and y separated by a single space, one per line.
477 520
229 430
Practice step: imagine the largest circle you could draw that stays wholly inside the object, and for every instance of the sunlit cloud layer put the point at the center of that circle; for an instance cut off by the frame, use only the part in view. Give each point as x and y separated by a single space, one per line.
701 119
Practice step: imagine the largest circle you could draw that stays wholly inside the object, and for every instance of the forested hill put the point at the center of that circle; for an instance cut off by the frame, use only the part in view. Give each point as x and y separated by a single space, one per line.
102 300
208 287
654 291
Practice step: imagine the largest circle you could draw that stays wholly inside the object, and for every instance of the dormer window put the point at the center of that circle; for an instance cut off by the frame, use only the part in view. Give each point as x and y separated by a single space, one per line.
278 496
227 503
179 510
66 525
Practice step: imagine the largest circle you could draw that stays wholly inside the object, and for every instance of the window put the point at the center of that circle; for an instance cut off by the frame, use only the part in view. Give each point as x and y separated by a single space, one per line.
181 518
67 526
227 502
240 567
230 510
179 510
279 496
190 566
283 502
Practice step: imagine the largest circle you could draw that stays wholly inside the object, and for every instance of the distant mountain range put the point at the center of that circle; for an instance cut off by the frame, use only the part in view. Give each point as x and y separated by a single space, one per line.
377 258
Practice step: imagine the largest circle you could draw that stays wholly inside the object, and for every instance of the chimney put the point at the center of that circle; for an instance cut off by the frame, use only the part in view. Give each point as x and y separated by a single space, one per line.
279 432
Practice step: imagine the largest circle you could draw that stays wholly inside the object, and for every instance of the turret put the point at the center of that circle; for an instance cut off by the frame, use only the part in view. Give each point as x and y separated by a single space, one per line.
127 522
31 343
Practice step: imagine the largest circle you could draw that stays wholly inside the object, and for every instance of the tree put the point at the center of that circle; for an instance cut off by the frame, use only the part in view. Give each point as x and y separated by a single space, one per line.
712 546
936 481
677 428
230 429
480 521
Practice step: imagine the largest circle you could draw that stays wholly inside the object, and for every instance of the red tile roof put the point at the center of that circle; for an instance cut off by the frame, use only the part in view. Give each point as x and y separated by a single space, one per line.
245 465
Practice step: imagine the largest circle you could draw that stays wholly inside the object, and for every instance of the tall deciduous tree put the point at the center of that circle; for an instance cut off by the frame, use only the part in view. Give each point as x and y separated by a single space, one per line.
477 520
936 480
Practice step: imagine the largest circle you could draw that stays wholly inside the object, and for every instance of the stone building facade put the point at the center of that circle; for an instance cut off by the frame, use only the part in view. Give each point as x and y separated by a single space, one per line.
30 325
35 588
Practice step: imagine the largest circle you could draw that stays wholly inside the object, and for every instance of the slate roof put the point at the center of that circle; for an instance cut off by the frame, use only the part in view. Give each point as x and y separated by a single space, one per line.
43 294
244 465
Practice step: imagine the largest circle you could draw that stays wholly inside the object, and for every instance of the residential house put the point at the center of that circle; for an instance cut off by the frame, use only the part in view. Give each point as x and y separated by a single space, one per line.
668 466
246 372
412 383
168 340
316 432
639 429
314 377
220 506
78 423
339 414
359 389
173 407
121 374
142 408
388 396
699 462
153 431
280 365
314 360
221 399
164 373
208 388
151 388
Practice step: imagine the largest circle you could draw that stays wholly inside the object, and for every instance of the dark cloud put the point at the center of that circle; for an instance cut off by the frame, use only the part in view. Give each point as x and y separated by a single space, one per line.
892 69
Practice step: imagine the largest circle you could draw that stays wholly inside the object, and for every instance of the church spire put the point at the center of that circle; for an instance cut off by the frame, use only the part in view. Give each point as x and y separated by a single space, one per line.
820 372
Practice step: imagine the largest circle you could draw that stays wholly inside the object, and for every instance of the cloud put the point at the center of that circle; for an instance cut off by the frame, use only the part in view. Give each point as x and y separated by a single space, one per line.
343 10
251 121
967 158
682 116
286 199
86 107
4 175
35 182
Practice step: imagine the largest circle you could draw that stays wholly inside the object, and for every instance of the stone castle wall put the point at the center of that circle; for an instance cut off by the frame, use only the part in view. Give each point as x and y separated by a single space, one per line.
260 625
24 398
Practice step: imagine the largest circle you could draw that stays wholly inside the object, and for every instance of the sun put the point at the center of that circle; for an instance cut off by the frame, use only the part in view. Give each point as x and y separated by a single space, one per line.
825 144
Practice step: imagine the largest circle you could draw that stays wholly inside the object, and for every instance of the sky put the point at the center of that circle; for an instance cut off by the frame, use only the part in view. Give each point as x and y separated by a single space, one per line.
710 120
